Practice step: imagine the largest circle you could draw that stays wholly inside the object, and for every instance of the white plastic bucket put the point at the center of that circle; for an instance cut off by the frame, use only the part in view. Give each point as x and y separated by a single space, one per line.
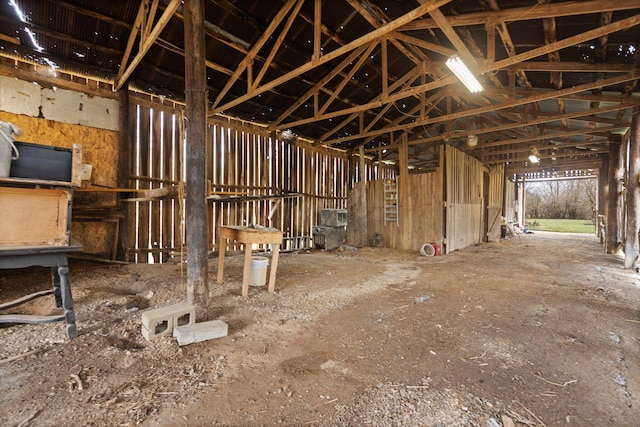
258 271
7 148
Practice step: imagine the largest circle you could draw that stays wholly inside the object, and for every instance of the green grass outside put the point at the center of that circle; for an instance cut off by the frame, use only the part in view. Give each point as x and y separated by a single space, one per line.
561 225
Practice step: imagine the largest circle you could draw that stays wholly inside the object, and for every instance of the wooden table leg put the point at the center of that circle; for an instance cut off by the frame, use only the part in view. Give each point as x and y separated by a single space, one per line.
222 247
247 270
274 268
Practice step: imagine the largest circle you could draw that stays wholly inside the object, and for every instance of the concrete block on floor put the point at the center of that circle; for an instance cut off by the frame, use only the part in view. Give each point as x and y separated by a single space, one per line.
162 321
196 332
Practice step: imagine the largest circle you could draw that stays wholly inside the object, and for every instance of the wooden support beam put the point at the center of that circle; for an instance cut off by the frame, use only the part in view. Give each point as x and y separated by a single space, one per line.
122 180
612 242
631 248
274 49
404 192
317 29
246 62
146 41
385 69
533 53
330 56
540 11
485 109
196 130
454 38
503 127
443 50
490 28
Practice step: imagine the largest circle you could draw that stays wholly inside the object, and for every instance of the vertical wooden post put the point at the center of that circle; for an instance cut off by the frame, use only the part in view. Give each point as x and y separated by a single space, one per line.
363 198
603 195
613 225
633 194
124 168
404 210
196 127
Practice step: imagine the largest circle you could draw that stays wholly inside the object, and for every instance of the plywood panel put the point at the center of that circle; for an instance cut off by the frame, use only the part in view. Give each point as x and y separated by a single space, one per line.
99 149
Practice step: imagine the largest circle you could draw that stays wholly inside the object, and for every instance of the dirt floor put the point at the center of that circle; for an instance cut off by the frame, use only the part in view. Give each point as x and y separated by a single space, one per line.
539 330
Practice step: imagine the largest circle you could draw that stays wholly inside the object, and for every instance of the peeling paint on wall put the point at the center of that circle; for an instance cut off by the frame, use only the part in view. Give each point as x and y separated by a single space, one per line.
60 105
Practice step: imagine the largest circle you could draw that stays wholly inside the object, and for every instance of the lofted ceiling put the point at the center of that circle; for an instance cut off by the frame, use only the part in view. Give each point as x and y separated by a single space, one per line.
558 76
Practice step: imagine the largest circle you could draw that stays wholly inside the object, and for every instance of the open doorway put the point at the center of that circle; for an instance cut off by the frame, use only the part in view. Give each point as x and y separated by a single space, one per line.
562 205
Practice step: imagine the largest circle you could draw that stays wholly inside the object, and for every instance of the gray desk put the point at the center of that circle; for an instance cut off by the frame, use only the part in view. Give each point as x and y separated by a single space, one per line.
48 256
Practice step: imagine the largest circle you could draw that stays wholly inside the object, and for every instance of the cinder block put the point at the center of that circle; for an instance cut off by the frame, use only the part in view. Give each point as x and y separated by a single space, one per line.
161 321
196 332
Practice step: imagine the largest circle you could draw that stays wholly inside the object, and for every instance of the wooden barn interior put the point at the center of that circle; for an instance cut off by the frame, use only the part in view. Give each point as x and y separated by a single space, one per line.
159 133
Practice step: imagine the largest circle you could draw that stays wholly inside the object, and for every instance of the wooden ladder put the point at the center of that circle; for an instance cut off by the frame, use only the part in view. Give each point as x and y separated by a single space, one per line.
390 202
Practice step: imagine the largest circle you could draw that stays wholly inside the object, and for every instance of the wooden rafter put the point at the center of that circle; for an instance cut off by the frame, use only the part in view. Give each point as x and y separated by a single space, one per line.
319 85
540 11
505 36
454 38
530 122
148 31
533 53
405 80
327 57
537 138
496 107
248 60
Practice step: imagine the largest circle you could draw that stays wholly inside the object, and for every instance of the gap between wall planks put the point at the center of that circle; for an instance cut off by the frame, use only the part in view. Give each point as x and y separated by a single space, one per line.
464 216
240 158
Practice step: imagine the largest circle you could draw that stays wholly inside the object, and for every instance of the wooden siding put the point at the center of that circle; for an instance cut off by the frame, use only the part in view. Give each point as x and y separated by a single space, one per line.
242 160
464 217
425 202
494 203
510 201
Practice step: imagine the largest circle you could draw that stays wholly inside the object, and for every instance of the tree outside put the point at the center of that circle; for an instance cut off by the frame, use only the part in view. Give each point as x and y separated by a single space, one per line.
561 199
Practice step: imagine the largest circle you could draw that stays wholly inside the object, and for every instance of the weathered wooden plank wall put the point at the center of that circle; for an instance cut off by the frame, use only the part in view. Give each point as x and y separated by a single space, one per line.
157 162
494 202
464 216
510 201
425 201
427 205
242 160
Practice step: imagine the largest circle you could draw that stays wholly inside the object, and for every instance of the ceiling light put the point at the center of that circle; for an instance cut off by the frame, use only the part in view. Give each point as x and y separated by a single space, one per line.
535 155
461 71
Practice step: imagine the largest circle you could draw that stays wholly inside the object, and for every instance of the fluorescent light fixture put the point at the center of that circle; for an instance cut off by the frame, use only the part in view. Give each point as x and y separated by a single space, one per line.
461 71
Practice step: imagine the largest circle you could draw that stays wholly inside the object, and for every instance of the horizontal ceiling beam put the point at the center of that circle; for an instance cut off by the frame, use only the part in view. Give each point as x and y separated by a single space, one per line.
490 108
507 126
330 56
485 68
538 138
538 11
